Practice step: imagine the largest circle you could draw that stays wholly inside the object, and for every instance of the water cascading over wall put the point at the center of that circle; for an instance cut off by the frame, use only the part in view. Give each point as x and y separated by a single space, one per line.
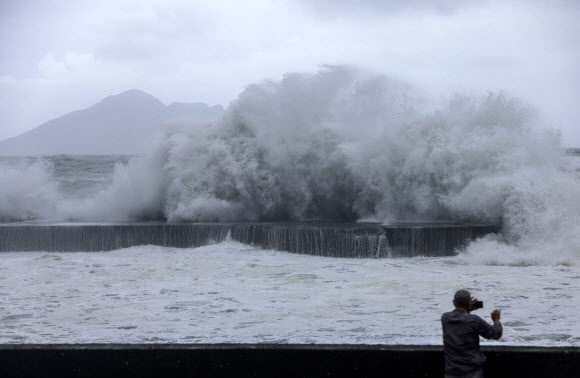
353 240
433 239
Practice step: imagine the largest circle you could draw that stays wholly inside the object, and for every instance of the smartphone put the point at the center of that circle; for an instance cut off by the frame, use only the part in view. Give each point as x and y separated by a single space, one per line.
478 304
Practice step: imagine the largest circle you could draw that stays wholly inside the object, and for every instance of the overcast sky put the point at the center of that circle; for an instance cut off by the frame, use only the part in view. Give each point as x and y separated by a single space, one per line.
60 55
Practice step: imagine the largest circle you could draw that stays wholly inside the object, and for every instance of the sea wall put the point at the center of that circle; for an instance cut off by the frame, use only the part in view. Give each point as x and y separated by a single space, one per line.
433 239
365 240
267 360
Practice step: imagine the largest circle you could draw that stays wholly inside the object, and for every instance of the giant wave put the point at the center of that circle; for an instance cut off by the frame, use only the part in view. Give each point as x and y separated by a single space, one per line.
345 145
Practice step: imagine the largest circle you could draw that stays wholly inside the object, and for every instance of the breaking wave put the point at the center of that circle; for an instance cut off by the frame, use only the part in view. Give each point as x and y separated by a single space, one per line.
27 191
344 145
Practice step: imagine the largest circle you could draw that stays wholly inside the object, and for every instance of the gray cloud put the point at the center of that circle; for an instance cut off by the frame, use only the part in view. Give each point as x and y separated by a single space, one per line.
209 51
150 30
369 8
366 8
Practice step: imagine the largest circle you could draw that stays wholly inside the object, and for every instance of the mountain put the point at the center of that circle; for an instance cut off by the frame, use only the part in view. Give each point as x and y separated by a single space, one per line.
127 123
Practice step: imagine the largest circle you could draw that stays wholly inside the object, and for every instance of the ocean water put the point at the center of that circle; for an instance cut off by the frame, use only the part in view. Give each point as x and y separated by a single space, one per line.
234 293
336 145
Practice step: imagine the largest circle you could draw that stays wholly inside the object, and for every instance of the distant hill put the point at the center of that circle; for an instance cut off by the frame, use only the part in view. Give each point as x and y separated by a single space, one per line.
127 123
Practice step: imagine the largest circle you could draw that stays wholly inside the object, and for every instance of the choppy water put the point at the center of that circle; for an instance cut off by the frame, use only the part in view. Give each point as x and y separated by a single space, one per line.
234 293
75 176
333 145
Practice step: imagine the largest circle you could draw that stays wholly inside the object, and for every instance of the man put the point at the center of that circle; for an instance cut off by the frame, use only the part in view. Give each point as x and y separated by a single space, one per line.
461 331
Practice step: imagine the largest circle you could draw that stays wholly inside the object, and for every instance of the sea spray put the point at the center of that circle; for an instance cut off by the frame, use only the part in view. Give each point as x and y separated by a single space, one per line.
297 149
344 145
27 190
333 145
341 145
135 195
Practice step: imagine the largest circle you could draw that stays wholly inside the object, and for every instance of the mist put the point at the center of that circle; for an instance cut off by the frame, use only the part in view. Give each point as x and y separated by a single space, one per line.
345 145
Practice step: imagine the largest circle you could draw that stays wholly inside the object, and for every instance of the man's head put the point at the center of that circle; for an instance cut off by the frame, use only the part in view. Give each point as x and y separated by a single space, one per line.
462 299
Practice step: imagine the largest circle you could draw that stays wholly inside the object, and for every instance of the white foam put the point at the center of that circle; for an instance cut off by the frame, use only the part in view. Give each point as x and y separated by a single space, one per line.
27 191
344 145
234 293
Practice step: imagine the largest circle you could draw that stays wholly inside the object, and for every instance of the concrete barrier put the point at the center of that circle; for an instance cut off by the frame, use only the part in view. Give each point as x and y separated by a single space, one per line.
273 360
331 239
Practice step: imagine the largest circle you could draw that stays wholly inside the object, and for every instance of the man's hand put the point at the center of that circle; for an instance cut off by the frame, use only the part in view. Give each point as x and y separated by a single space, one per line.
472 304
495 315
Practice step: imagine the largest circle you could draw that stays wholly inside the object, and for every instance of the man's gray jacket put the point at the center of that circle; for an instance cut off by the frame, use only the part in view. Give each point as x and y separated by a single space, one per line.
461 331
